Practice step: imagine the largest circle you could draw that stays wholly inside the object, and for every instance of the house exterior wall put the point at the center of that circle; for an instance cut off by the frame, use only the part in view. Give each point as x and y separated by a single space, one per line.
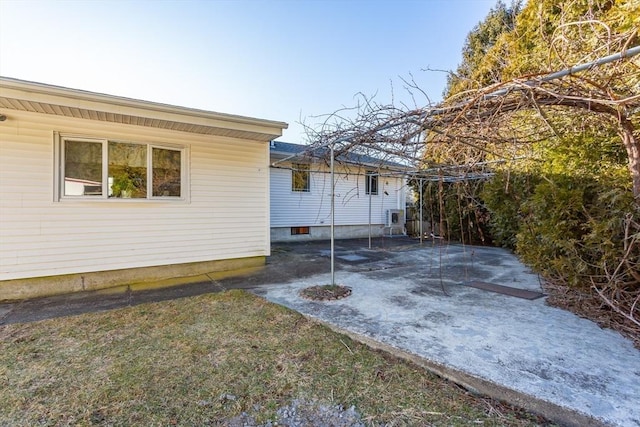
225 216
313 208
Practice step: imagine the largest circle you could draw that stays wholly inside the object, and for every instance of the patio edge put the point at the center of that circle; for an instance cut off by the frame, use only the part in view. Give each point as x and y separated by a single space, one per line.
556 413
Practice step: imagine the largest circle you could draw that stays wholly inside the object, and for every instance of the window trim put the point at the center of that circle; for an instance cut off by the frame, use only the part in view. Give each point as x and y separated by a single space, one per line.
59 170
371 183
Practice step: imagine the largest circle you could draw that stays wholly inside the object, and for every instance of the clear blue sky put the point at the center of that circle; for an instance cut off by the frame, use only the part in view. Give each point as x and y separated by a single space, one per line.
281 60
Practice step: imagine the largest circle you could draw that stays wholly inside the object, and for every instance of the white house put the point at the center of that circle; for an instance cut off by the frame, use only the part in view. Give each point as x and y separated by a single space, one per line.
98 191
370 196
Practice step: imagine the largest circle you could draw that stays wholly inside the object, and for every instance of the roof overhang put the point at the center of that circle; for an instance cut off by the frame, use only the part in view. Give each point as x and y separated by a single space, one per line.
55 100
304 153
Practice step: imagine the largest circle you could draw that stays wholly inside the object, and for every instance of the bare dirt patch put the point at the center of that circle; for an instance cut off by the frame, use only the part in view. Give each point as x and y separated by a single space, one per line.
325 292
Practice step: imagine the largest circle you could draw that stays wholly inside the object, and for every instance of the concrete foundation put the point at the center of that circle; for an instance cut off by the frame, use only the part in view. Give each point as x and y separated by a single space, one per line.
360 231
130 278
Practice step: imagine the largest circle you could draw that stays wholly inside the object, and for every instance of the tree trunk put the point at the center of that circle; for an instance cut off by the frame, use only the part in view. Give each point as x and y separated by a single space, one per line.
625 131
632 145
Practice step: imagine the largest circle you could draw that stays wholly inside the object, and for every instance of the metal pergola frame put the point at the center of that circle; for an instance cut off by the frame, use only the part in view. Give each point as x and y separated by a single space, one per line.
424 175
422 123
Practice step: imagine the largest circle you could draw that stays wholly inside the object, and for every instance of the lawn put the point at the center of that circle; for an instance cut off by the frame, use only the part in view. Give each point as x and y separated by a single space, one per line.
204 360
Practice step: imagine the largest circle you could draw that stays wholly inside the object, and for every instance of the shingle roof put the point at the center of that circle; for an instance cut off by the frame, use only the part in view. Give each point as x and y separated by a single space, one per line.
285 149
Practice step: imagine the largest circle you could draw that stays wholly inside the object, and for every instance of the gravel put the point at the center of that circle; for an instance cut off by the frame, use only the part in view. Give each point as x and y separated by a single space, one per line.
302 413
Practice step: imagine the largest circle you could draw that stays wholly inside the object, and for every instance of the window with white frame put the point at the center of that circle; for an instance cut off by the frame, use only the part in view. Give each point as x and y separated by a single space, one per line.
100 169
371 183
300 178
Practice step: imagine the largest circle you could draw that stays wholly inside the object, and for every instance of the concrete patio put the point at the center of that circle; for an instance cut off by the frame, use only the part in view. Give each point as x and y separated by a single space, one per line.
414 300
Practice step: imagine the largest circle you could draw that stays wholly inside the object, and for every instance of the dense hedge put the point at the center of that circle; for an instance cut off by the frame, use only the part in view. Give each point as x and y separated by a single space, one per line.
570 229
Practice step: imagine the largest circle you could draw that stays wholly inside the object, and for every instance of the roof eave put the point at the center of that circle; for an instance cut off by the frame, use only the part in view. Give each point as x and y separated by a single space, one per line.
37 97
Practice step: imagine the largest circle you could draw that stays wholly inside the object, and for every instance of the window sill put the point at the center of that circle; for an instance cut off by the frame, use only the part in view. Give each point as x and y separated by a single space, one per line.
121 200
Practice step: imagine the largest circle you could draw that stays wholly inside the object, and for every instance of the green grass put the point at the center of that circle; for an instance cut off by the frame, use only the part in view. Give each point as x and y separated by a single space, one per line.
202 360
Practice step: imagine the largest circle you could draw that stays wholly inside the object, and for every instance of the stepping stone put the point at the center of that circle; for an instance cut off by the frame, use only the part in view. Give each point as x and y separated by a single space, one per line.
505 290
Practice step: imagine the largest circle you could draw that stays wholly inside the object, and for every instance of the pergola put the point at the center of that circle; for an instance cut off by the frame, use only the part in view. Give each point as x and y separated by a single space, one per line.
403 135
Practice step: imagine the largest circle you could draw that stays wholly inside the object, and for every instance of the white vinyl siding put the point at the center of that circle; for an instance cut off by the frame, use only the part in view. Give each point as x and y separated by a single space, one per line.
313 208
224 217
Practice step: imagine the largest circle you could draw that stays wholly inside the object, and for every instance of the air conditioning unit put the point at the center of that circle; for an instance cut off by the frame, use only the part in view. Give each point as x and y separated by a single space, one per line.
395 218
395 221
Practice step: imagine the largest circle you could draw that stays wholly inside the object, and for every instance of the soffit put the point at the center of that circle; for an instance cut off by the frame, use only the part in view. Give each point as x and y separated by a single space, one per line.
45 99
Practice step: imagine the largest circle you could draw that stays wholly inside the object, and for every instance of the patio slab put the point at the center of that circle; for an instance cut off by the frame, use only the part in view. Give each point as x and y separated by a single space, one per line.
414 301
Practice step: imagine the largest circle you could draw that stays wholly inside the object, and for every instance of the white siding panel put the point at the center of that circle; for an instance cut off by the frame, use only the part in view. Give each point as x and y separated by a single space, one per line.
223 218
290 208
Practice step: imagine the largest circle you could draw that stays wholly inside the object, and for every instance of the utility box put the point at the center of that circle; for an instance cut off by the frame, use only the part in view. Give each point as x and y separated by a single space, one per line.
395 221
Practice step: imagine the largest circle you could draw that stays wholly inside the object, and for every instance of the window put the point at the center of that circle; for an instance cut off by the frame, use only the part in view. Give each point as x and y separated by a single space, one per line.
82 168
166 172
371 183
300 177
100 169
299 230
127 170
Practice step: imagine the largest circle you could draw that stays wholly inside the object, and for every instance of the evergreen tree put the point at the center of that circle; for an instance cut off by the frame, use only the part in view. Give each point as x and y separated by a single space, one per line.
472 72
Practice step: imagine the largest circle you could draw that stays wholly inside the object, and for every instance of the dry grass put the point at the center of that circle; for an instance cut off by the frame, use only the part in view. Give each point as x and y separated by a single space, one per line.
202 360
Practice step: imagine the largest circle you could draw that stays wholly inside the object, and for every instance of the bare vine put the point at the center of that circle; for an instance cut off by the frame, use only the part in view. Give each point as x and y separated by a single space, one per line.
487 118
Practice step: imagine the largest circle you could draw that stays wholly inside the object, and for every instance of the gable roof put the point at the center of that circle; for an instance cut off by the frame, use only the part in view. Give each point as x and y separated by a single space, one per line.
34 97
283 150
